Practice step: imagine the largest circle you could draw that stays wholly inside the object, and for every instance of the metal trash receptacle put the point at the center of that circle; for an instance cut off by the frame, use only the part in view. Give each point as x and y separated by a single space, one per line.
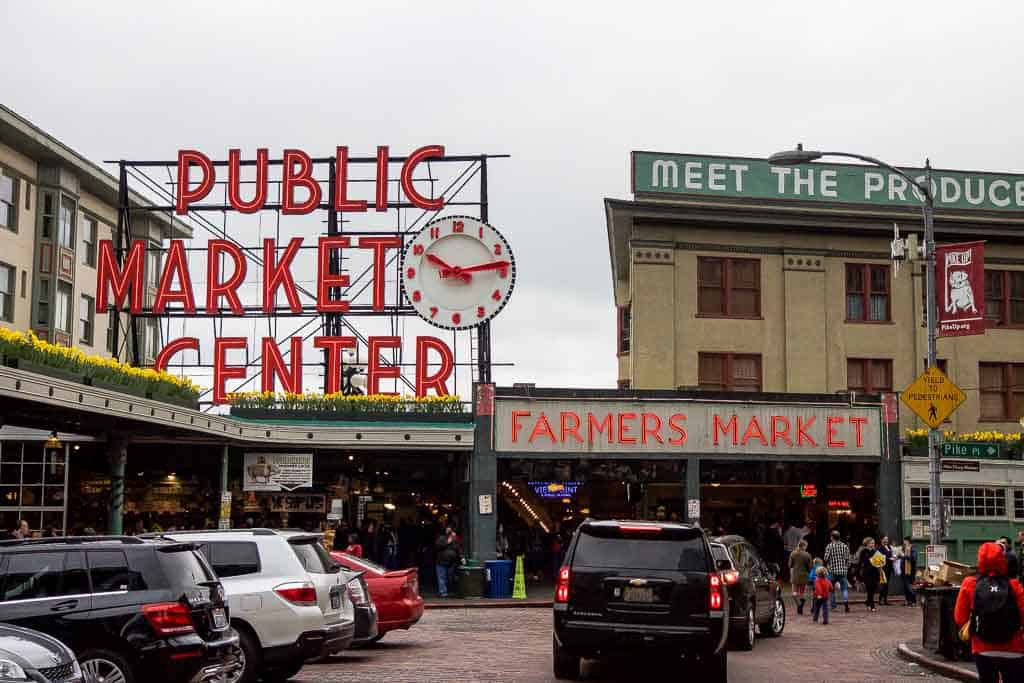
499 578
939 632
471 581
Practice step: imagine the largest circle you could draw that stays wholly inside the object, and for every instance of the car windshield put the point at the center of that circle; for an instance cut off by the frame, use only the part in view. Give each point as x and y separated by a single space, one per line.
313 557
365 564
184 567
641 552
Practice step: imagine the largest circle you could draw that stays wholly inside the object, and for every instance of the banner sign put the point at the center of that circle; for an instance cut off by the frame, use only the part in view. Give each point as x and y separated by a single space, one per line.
581 426
278 471
292 502
688 174
960 288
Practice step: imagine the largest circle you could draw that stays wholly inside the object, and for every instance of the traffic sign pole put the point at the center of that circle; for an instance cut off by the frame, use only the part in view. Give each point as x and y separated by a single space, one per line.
934 460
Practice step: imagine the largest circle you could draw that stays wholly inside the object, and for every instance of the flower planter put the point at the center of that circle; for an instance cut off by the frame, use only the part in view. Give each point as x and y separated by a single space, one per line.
336 415
173 399
130 389
58 373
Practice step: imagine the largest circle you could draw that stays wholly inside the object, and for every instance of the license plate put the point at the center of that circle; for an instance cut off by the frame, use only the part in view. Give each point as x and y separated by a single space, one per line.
335 600
220 619
635 594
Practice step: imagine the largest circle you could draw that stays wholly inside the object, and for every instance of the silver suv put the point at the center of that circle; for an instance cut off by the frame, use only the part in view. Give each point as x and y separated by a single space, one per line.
288 600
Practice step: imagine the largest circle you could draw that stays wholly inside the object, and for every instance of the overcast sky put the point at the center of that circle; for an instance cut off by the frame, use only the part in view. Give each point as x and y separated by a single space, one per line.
568 89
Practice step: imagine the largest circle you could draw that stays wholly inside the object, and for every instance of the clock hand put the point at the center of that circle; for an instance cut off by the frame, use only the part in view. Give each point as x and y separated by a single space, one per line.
495 265
448 270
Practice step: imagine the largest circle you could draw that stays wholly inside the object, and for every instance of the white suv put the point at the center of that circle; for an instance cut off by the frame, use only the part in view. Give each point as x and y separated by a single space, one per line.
288 600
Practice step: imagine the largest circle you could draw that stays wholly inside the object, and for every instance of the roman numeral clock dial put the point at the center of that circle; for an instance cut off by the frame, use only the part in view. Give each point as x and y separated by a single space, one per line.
458 272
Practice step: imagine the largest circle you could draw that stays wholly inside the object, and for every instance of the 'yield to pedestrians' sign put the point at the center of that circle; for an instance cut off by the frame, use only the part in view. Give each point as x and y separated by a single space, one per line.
933 396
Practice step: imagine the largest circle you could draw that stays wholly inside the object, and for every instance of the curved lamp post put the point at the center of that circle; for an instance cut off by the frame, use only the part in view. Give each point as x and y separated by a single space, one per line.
924 189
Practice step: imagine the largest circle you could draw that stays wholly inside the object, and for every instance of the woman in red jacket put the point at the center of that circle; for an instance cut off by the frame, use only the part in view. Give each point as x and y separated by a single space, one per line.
993 658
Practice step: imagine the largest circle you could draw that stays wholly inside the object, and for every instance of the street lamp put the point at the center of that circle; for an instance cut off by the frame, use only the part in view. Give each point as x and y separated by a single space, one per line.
924 190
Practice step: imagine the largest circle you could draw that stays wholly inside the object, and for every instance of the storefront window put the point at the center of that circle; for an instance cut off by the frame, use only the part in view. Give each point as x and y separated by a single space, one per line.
33 486
968 501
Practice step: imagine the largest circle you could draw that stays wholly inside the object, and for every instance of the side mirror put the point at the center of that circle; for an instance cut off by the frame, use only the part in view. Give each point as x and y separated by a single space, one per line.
723 565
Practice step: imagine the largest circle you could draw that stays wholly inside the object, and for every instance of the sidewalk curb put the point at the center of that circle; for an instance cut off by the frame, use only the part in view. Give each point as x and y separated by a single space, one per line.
484 603
950 670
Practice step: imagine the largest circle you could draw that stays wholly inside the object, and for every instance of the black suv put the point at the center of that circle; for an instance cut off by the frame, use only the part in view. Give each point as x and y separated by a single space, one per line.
630 586
131 610
755 594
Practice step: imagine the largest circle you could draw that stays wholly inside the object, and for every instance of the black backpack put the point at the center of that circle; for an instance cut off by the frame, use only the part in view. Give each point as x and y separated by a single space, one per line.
995 616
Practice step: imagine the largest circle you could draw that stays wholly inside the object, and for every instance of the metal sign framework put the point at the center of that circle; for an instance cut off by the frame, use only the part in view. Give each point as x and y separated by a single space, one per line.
162 195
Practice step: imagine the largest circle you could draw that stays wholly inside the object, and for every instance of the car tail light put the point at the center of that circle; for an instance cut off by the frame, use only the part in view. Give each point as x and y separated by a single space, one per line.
411 587
169 618
639 529
562 588
715 592
730 576
298 593
356 592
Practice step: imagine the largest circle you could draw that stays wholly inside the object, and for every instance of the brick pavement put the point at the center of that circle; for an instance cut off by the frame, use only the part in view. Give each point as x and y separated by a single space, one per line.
515 645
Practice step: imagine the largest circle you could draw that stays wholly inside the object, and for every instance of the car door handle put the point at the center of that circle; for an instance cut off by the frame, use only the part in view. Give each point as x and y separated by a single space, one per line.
64 606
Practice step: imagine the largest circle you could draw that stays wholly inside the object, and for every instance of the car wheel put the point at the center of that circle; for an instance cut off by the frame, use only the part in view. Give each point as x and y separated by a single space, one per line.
716 668
249 657
774 627
106 666
280 674
566 667
743 639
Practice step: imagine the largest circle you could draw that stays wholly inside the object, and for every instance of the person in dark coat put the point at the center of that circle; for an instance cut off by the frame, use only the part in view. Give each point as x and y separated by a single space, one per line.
870 573
885 547
908 570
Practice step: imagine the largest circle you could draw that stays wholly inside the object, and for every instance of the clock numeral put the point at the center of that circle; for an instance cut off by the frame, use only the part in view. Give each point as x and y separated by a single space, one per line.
416 296
433 311
417 249
503 273
497 250
458 226
481 232
456 318
410 273
497 295
480 312
435 232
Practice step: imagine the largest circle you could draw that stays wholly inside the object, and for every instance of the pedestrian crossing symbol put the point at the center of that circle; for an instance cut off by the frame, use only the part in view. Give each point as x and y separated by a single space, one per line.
933 397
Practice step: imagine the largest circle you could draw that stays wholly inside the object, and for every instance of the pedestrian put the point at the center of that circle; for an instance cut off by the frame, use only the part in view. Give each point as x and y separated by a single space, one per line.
855 576
23 531
871 571
354 547
447 558
908 570
837 559
812 576
1020 554
822 590
885 547
1012 559
993 604
799 567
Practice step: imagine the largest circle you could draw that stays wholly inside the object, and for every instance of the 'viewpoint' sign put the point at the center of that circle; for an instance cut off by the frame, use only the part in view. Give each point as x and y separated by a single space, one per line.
687 174
611 426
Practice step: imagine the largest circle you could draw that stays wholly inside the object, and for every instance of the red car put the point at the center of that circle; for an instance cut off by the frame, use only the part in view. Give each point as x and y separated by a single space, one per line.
395 593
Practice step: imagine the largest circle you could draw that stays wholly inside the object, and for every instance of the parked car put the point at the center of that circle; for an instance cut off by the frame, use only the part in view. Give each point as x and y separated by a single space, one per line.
627 588
288 602
755 594
130 609
395 593
27 655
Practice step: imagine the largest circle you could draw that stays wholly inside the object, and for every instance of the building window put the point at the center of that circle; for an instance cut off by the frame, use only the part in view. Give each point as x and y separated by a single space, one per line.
66 226
1001 386
867 292
62 321
89 241
729 372
7 279
152 339
625 321
868 375
43 311
112 321
1018 503
623 383
48 215
8 202
968 501
729 287
86 310
1004 297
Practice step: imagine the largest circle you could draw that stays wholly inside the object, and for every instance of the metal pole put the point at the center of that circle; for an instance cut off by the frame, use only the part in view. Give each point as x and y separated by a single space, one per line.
934 462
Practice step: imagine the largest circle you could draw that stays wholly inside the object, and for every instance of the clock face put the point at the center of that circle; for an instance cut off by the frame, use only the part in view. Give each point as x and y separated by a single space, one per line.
458 272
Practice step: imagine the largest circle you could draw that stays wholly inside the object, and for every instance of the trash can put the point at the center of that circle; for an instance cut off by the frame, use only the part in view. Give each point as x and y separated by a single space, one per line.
471 580
940 633
499 578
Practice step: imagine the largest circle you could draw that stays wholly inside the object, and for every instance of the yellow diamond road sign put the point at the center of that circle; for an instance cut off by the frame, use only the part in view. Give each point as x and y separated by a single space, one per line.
933 396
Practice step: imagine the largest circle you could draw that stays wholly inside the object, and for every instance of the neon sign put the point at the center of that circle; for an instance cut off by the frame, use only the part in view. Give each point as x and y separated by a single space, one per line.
555 489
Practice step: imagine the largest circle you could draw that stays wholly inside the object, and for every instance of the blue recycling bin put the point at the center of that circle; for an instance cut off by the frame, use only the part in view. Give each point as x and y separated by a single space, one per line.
499 578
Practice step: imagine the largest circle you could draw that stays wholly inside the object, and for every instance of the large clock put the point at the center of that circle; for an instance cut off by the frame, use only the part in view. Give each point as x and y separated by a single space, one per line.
458 272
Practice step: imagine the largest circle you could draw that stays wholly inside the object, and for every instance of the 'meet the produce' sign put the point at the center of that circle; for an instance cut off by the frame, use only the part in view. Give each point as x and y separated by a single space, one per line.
687 174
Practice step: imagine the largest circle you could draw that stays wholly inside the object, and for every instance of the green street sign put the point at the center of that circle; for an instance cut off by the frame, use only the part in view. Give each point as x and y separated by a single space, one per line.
688 174
972 450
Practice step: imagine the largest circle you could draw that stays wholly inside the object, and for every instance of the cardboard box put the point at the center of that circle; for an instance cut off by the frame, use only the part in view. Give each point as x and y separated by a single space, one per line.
954 572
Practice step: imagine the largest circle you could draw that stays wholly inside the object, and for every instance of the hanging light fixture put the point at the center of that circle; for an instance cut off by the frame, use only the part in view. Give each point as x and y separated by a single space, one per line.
53 443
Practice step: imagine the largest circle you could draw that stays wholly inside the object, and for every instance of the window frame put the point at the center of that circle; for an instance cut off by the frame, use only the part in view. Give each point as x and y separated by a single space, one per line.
959 505
727 287
728 382
867 293
867 374
1006 389
623 329
68 317
8 299
72 208
12 206
87 324
1005 298
89 246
